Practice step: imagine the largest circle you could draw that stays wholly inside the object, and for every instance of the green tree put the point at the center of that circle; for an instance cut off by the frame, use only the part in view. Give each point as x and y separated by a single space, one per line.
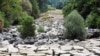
5 22
11 8
28 28
84 7
93 20
75 28
27 6
35 8
43 5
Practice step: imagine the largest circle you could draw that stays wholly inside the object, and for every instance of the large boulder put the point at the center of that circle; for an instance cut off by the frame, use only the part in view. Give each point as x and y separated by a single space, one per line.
5 42
93 33
29 40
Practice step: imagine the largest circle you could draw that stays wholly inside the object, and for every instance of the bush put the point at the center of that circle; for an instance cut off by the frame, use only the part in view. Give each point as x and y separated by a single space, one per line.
40 29
28 27
75 28
93 20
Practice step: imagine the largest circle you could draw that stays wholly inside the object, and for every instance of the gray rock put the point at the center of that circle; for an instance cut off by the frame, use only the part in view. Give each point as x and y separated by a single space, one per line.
80 54
39 42
93 33
96 51
66 48
29 40
78 48
5 43
1 37
65 55
12 49
3 49
61 42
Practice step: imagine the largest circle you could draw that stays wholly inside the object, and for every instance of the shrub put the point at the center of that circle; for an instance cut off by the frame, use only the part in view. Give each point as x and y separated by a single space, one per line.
40 29
93 20
75 28
28 27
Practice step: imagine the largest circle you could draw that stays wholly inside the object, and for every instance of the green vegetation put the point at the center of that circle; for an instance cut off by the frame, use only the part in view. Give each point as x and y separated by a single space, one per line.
28 27
40 29
23 13
1 21
35 8
88 9
43 5
84 7
67 9
93 20
75 28
50 7
4 21
11 8
27 6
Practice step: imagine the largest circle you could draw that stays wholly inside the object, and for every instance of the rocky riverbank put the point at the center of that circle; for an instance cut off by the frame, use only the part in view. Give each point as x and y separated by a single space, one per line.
50 42
90 47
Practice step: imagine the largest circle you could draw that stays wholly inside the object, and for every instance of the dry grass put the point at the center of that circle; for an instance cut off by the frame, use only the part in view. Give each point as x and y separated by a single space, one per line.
48 16
43 14
57 12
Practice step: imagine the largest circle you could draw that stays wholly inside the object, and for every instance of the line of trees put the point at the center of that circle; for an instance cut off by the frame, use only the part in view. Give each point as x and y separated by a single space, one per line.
14 9
21 12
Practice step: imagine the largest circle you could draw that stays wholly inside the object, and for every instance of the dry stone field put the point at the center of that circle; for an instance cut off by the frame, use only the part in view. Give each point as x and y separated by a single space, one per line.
48 43
89 47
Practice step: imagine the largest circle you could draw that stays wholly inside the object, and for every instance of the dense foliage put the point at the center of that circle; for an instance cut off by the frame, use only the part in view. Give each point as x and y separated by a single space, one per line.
75 28
35 8
93 20
1 21
11 8
28 28
4 21
89 10
27 6
43 5
84 7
